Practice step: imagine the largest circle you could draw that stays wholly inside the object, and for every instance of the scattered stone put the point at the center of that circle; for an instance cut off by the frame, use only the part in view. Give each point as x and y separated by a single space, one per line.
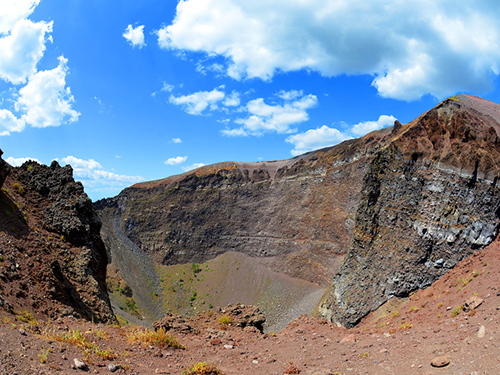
441 361
348 338
255 361
171 322
161 371
228 346
80 365
22 332
112 367
215 342
481 332
472 303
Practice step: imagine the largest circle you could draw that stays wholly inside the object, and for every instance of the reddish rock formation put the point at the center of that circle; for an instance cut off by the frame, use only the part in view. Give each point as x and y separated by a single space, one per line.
428 200
53 260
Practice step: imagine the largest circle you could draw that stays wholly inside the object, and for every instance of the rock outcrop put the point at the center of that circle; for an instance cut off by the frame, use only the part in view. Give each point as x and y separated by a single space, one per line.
53 258
405 203
428 200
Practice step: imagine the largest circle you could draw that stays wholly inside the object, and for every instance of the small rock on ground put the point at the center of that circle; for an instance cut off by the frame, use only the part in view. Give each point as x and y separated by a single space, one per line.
441 361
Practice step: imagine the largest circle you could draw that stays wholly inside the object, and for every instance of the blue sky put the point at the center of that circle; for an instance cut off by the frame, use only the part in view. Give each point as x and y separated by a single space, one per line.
141 90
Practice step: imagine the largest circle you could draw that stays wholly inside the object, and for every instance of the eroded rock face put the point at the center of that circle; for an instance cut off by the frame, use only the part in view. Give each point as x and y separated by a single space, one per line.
4 169
50 241
298 212
423 208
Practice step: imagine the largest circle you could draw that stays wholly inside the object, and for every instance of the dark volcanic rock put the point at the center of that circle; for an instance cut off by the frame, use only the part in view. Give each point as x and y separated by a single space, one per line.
171 322
428 200
4 169
51 242
299 211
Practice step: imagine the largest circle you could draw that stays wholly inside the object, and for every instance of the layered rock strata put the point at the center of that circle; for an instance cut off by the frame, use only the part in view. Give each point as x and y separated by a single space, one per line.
429 199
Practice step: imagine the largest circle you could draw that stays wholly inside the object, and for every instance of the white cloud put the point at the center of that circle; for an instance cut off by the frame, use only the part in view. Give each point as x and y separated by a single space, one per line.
278 118
176 140
94 177
12 12
366 127
175 161
236 132
167 88
10 123
410 47
17 162
45 100
316 138
22 49
135 36
193 166
232 100
196 103
325 136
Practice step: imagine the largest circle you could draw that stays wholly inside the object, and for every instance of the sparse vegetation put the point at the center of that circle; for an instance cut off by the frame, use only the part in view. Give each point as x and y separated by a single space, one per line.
405 325
224 321
291 368
44 355
202 368
457 310
158 338
77 338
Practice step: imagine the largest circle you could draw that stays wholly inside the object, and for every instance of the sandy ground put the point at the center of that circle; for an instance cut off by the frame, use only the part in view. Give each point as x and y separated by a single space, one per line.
402 337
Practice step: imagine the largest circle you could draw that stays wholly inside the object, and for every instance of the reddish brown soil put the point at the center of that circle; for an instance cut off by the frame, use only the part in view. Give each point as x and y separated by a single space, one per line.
402 337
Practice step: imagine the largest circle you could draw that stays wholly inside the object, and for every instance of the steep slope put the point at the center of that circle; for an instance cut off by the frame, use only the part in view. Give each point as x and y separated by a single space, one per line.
293 216
429 199
407 202
52 258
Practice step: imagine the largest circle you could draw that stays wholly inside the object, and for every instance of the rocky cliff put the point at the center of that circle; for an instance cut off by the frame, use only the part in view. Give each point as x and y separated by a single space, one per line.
298 214
52 258
404 203
429 199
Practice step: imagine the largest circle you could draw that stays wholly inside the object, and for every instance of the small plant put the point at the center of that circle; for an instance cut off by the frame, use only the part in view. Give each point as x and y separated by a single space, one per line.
365 354
27 317
395 314
475 294
63 239
412 309
440 304
49 238
202 368
457 310
30 167
291 368
439 315
157 338
475 273
131 305
20 189
193 297
485 263
44 355
224 321
405 325
77 338
196 268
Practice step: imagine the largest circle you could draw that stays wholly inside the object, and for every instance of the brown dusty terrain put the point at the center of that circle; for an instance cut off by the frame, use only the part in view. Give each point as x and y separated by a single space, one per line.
401 337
